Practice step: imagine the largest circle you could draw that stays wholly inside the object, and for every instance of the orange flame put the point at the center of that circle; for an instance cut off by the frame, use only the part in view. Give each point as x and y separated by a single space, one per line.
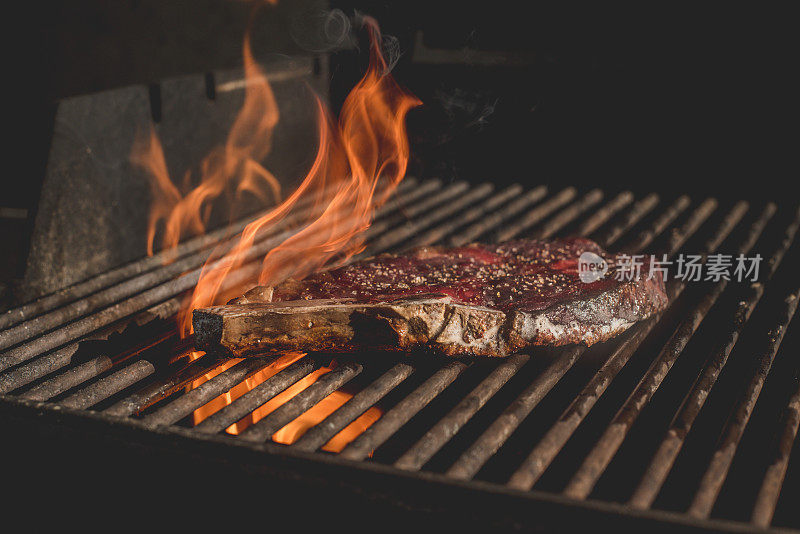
368 143
232 169
295 429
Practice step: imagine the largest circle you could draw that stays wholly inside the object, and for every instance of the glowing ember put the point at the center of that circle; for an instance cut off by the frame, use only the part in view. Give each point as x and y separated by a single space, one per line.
294 430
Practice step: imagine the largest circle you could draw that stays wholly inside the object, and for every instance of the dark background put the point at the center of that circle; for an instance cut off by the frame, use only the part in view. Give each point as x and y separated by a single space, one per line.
692 98
688 97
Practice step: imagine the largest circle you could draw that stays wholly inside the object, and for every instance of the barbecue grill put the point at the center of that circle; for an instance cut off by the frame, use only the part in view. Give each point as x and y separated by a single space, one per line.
688 419
624 131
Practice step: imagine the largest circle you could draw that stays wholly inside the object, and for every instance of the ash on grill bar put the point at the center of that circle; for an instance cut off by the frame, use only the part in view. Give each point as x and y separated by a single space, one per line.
184 157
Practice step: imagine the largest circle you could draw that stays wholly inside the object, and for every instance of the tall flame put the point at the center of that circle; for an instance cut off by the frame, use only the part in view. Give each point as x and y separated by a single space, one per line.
368 143
230 169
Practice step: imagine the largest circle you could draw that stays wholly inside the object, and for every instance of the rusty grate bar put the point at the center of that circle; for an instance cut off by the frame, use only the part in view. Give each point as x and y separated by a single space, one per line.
154 392
470 215
720 463
567 215
494 220
405 231
631 217
32 309
110 385
433 440
598 459
321 433
772 484
395 418
601 216
533 217
647 236
302 402
190 401
139 301
470 462
258 396
69 379
446 194
670 446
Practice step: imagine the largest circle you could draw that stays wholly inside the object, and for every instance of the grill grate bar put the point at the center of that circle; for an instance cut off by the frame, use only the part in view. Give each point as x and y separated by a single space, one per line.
43 304
470 462
110 385
604 450
590 199
568 215
434 232
647 236
442 231
190 401
154 392
75 376
720 463
258 396
453 214
494 220
446 194
601 216
530 219
321 433
63 356
678 236
401 233
663 459
631 218
142 300
456 189
433 440
69 379
302 402
25 374
770 490
556 437
43 323
407 408
50 363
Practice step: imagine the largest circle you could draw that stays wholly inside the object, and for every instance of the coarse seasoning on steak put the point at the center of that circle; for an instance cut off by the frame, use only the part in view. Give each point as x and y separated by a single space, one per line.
479 299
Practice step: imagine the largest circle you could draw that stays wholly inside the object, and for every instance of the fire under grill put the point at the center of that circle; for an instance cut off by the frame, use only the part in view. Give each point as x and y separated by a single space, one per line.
689 418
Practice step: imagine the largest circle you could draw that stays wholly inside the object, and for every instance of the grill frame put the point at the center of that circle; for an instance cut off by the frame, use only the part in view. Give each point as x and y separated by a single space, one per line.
547 214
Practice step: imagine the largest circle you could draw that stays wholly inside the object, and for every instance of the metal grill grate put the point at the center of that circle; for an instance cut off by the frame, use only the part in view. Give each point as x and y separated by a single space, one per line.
633 421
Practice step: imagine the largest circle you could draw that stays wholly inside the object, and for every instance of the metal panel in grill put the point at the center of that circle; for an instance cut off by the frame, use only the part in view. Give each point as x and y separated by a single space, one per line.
691 414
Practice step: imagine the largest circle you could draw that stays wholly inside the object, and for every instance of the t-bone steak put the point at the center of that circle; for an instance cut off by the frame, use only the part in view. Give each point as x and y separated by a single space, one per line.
479 299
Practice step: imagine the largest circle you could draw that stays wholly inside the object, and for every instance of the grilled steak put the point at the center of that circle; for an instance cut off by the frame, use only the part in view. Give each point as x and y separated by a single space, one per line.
481 299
